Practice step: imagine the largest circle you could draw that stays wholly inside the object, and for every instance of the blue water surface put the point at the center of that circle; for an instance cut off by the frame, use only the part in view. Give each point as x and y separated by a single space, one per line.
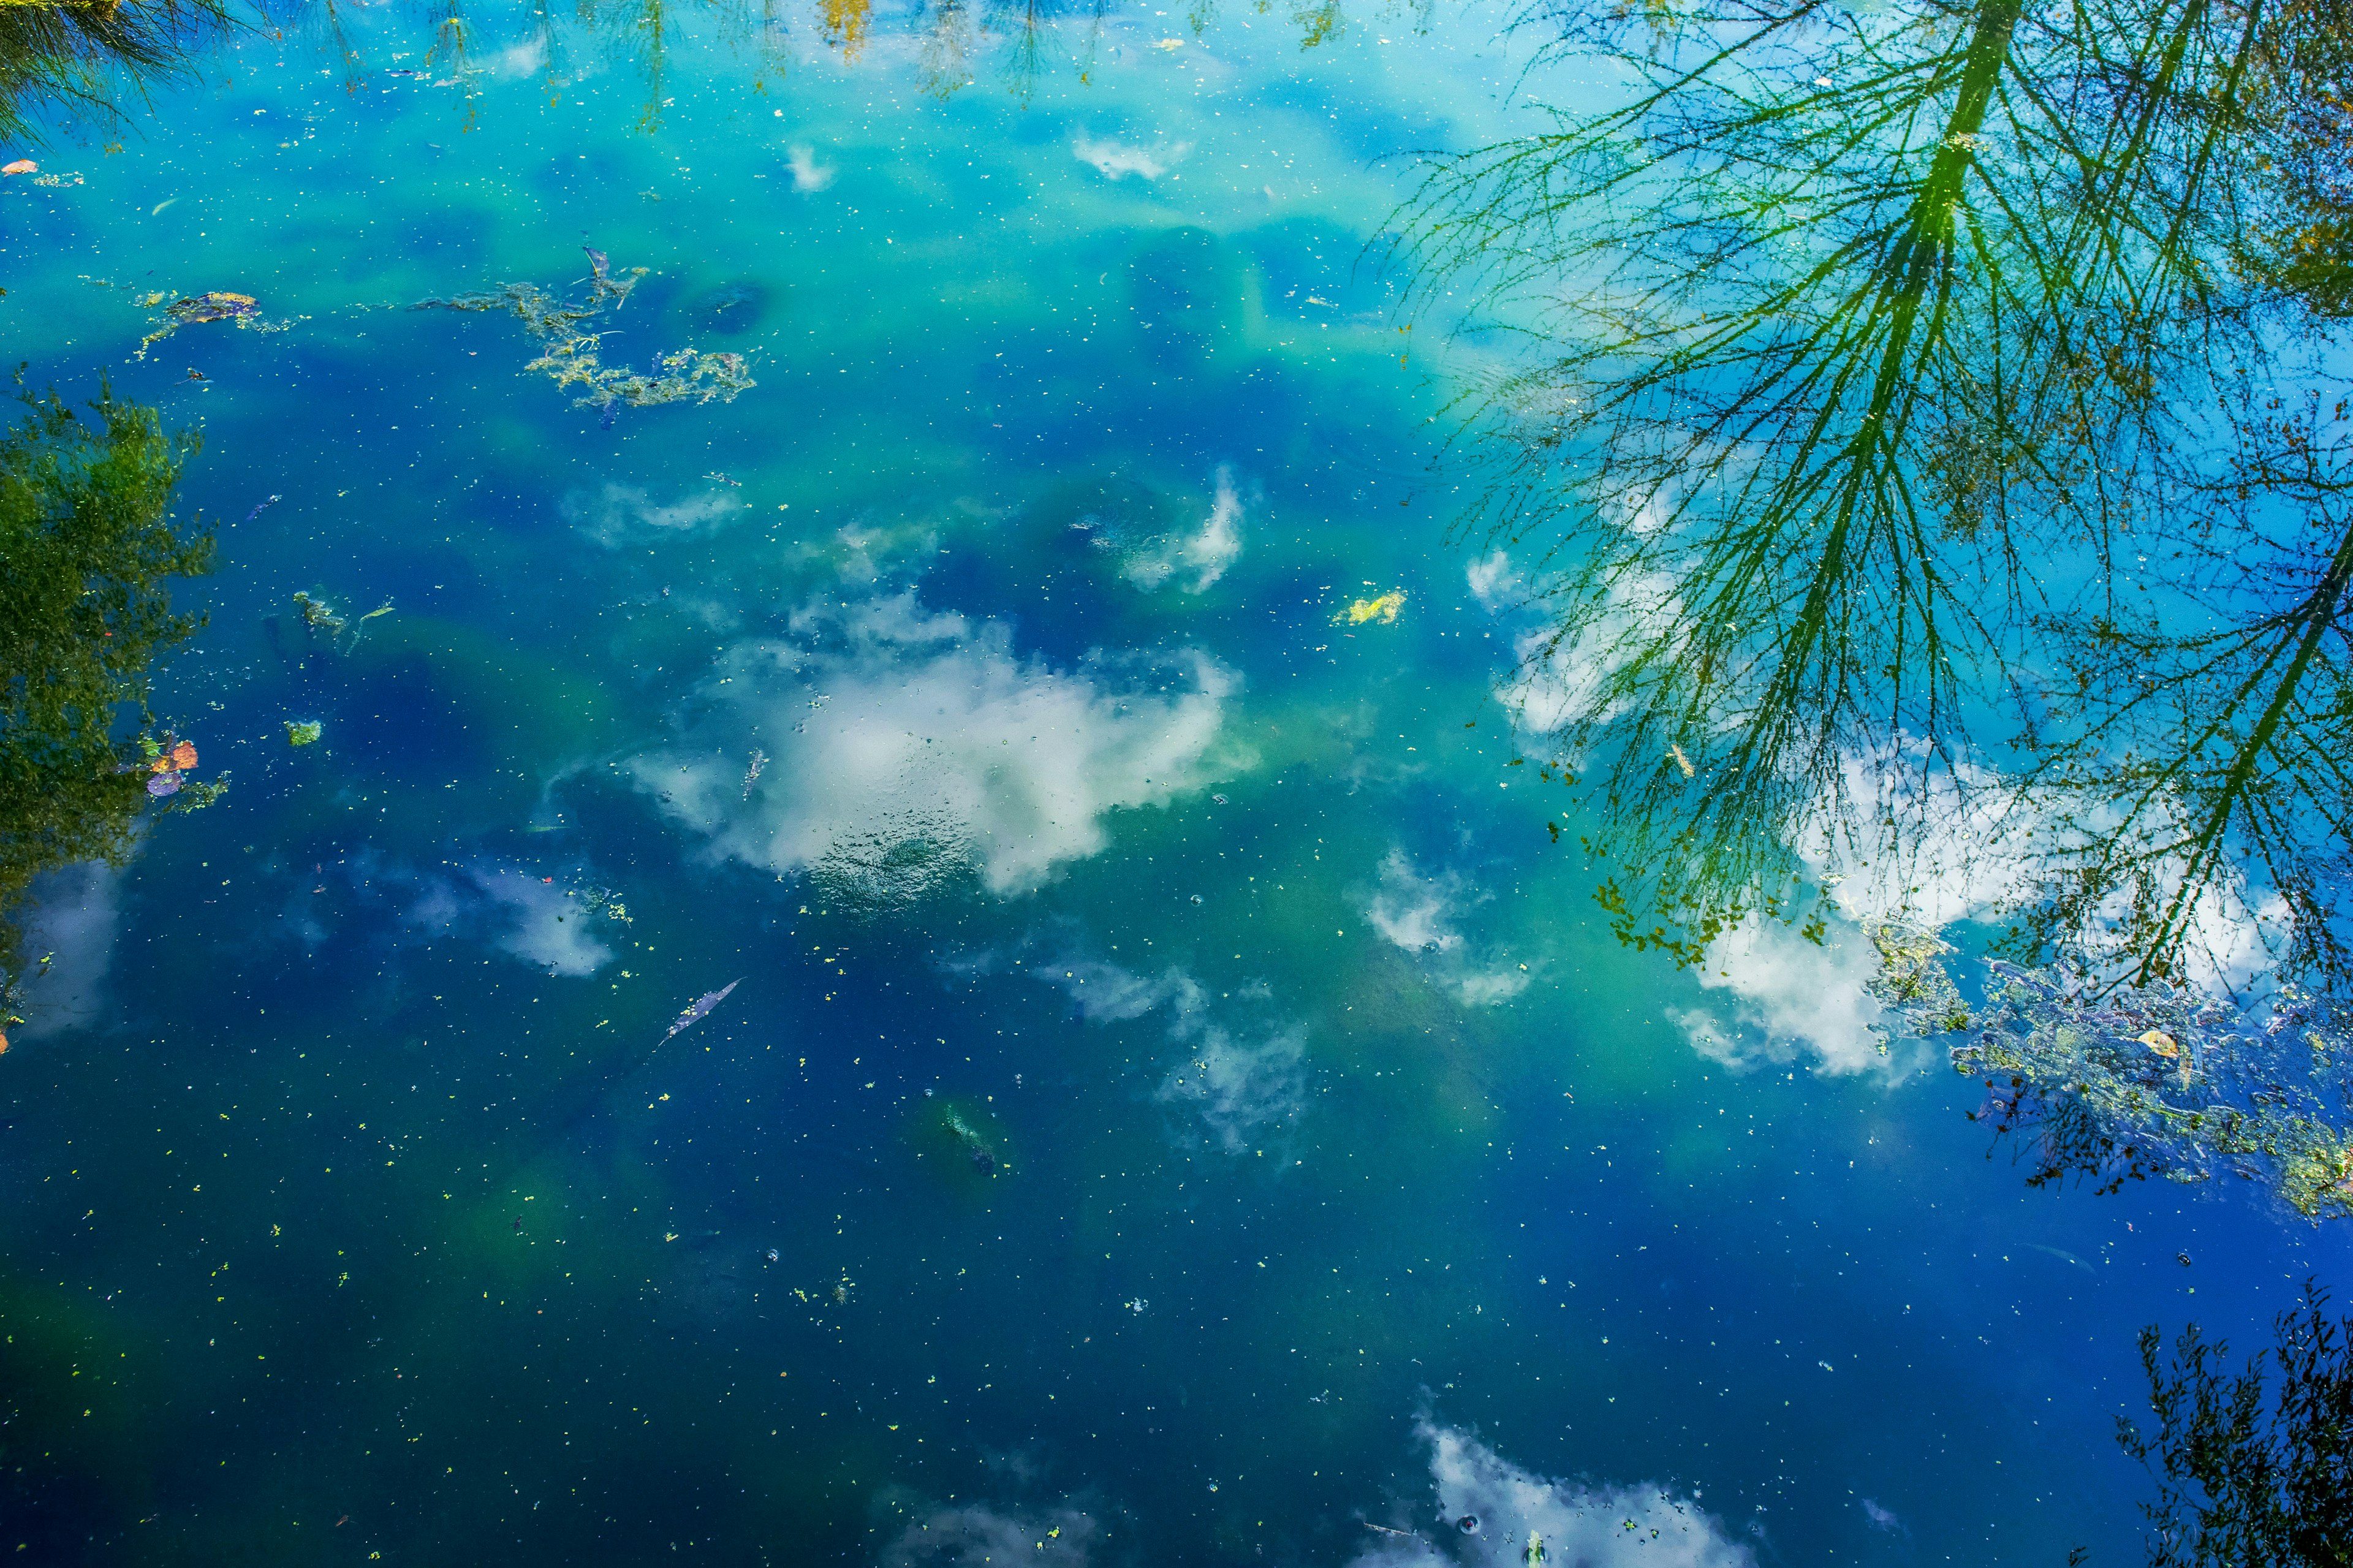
1180 1101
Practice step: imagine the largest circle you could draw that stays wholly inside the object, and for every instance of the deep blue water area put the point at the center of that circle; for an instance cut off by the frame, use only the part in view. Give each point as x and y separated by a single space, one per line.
1180 1101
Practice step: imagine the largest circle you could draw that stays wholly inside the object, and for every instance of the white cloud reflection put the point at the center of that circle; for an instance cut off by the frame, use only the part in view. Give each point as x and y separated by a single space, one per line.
1782 995
1115 160
1581 1526
906 749
808 176
523 915
627 514
1242 1083
1419 912
70 918
970 1534
1198 560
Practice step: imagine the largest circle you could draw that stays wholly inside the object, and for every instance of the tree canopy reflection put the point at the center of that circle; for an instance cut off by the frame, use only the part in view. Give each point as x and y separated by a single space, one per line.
77 60
1925 459
87 542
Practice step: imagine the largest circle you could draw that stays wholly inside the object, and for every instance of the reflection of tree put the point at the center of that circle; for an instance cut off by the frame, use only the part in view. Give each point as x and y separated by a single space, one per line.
80 57
2198 759
329 18
86 542
1911 459
2249 1471
1846 326
452 37
76 55
845 25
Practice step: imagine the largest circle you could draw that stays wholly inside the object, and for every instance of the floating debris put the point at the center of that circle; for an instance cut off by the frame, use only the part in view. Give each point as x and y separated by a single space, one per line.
302 731
167 763
1920 997
2121 1082
604 901
68 178
572 356
220 305
320 616
1383 609
978 1149
701 1006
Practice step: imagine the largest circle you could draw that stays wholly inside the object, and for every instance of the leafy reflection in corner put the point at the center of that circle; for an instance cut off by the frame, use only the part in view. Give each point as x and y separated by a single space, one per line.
75 61
952 38
1926 466
86 542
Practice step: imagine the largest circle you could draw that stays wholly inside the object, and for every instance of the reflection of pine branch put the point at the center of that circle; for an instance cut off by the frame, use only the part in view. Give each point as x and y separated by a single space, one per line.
452 36
947 44
1846 323
638 29
2247 1473
2210 766
83 57
354 69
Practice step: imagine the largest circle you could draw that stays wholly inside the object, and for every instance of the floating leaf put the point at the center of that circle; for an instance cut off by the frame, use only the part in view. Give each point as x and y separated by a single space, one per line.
1383 609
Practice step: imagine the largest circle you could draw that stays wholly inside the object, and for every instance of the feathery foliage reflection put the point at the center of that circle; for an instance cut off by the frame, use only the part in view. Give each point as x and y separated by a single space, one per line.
1928 455
1864 349
2248 1473
77 59
86 542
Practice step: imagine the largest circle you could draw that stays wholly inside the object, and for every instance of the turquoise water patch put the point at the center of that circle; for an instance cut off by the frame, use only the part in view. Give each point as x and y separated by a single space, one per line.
1180 1101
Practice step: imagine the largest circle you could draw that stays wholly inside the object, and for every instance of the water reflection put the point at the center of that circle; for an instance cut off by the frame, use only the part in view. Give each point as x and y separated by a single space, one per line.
87 542
951 45
1921 487
73 65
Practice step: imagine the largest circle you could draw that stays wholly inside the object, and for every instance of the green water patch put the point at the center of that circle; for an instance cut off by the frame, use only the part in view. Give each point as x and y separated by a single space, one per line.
963 1144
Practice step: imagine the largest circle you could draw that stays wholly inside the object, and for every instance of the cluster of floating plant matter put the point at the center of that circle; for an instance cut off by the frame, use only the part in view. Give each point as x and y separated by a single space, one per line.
573 356
2121 1083
219 305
